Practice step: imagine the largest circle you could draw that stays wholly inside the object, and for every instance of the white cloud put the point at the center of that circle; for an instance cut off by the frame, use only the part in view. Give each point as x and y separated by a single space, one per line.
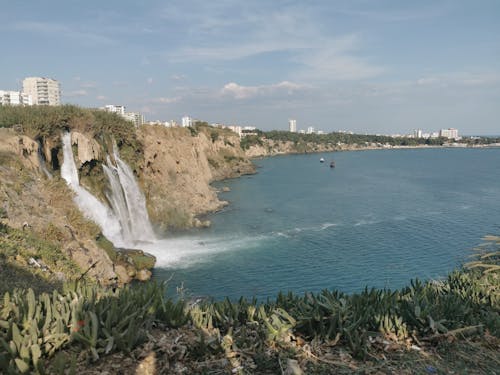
75 93
101 97
62 31
177 77
88 85
244 92
460 79
164 100
296 34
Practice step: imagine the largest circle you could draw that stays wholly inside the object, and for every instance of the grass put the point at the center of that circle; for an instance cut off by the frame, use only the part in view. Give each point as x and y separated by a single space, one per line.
48 122
18 246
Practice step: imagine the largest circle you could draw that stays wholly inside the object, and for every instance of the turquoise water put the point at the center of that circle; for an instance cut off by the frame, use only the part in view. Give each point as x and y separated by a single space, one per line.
378 219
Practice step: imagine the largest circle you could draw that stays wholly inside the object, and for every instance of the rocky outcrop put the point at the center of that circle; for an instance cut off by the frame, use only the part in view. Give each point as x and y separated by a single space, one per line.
88 149
269 147
24 147
179 166
46 209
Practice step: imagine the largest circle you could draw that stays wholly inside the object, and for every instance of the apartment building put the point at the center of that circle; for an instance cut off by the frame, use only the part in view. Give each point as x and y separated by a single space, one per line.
14 98
43 91
136 117
118 109
187 121
449 133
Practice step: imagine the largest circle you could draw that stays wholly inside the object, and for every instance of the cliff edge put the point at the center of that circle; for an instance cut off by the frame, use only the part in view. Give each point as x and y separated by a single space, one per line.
179 166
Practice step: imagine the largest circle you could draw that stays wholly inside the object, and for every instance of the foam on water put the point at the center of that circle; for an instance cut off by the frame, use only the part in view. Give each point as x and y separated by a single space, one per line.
182 252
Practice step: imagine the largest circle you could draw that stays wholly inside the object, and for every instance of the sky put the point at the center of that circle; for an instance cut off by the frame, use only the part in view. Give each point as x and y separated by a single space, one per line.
367 66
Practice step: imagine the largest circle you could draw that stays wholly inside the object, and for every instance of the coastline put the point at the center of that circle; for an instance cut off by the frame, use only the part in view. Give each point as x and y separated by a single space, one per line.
253 154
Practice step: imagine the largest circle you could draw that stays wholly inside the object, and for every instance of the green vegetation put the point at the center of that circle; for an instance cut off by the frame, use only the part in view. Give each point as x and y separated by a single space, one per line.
458 317
97 320
251 140
18 246
48 122
345 138
301 141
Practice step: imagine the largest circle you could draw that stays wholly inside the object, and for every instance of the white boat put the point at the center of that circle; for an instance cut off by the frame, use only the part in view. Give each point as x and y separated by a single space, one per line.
322 160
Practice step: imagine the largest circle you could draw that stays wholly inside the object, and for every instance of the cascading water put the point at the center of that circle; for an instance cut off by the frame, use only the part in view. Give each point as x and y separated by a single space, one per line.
138 218
41 161
126 222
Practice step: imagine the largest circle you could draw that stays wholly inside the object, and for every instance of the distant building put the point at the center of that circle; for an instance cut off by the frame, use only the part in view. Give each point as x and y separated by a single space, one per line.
292 126
118 109
187 122
15 98
43 91
449 133
136 117
235 128
310 130
418 133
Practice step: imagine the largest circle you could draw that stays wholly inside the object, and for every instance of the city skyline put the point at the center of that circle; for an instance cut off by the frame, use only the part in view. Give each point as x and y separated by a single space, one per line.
370 68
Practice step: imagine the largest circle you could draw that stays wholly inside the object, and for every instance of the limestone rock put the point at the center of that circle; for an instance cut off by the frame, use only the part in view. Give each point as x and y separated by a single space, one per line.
143 275
88 148
177 172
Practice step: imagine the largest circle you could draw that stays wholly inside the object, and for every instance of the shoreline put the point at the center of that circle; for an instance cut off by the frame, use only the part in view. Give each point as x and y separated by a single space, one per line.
225 203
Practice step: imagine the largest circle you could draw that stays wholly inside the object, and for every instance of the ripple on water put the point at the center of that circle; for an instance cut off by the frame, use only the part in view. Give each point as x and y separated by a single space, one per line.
379 219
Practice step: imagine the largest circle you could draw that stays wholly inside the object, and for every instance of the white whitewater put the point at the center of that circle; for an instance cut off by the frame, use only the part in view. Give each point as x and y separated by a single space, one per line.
126 222
138 218
41 161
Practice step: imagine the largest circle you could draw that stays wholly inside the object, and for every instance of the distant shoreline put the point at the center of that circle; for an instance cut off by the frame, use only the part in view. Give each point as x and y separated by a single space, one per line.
381 148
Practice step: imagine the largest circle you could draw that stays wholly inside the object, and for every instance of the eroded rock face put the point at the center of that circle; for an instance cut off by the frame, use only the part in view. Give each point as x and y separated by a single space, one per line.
178 169
175 176
271 147
24 147
88 149
46 209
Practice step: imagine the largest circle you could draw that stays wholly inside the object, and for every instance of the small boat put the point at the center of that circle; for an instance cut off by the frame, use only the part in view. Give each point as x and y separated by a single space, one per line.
332 164
321 160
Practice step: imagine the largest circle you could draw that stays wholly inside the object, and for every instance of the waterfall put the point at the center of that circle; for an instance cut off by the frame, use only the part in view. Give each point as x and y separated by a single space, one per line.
41 161
137 218
126 222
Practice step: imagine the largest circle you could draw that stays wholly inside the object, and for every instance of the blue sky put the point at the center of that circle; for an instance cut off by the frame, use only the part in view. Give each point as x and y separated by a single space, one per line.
370 66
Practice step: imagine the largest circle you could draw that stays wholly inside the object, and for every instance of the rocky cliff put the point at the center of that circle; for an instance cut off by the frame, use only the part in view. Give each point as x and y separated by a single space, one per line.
179 165
269 147
43 208
175 171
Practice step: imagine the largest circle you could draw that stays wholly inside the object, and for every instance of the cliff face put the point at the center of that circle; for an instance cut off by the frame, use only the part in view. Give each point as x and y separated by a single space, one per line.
179 166
44 209
270 147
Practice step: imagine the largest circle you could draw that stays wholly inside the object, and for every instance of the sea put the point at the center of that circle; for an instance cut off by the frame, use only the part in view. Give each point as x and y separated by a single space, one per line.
378 219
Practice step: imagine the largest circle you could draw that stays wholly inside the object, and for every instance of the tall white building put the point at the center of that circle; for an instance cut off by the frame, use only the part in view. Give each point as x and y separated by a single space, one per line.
310 130
187 121
43 91
418 133
118 109
14 98
292 126
136 117
449 133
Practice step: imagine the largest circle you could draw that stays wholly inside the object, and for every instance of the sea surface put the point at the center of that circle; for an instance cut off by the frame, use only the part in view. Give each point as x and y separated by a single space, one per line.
379 219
